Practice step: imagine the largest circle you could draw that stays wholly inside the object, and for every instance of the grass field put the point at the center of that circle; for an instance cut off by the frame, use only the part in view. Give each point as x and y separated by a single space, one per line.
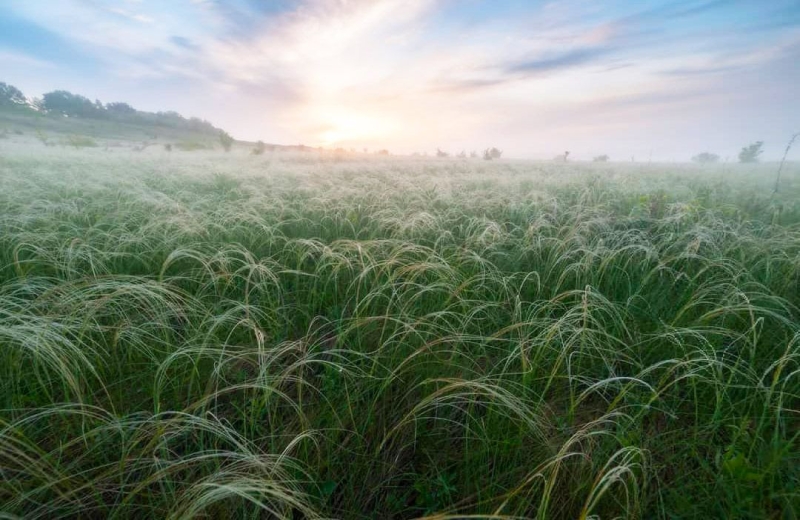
307 336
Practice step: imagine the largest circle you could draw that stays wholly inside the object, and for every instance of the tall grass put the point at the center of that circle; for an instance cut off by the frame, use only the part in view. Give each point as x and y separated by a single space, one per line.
296 337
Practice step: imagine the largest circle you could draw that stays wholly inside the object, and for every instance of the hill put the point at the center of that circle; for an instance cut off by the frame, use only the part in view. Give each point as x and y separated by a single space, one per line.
67 114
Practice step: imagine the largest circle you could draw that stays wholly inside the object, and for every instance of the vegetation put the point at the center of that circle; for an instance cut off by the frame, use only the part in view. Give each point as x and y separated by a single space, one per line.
706 158
62 103
492 153
81 141
396 339
225 140
750 154
259 148
601 158
191 145
11 95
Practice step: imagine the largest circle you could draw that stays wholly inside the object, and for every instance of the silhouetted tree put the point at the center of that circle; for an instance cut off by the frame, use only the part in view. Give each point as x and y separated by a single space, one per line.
705 158
749 154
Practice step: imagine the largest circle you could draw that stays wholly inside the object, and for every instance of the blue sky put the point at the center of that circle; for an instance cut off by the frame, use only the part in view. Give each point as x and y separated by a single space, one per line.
666 79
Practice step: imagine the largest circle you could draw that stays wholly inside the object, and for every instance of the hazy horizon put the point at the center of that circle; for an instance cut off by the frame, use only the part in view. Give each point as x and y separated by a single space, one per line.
661 80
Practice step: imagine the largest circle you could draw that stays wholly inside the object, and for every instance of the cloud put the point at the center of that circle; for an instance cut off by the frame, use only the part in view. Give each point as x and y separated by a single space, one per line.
18 58
184 43
558 61
402 72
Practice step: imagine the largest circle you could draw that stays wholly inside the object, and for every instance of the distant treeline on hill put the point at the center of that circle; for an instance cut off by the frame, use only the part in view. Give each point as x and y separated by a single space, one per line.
63 103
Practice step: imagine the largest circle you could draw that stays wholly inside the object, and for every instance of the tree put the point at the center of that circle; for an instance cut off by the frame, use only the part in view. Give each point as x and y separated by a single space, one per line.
11 95
749 154
69 104
225 140
120 108
601 158
705 158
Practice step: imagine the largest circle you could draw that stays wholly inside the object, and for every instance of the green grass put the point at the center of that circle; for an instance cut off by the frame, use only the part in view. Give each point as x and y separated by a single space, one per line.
302 337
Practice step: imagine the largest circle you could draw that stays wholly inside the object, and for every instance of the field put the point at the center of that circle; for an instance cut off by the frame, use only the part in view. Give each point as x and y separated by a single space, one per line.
316 336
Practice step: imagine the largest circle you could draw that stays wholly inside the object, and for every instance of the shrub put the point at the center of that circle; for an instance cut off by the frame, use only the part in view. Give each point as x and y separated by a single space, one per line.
259 148
601 158
492 153
440 153
705 158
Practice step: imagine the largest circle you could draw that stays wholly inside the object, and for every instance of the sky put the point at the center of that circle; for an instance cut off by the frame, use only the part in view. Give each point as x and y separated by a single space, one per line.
648 79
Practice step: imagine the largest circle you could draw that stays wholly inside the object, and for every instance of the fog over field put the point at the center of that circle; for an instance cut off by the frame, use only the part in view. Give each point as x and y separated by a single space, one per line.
432 259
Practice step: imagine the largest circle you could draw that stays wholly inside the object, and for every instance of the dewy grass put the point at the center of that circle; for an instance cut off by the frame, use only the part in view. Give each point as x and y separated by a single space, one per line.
293 336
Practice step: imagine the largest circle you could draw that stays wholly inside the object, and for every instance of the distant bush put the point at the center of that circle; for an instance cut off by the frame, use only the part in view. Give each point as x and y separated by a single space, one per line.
462 155
601 158
749 154
382 152
168 147
81 141
259 149
441 153
705 158
473 154
492 153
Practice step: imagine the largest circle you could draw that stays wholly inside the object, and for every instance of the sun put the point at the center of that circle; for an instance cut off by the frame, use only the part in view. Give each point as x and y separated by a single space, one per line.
347 127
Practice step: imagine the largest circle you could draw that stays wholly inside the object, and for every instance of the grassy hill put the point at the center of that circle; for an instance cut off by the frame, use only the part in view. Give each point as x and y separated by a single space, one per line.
61 117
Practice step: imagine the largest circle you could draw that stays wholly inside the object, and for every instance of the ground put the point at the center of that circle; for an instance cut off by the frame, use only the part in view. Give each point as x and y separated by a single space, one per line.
306 335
